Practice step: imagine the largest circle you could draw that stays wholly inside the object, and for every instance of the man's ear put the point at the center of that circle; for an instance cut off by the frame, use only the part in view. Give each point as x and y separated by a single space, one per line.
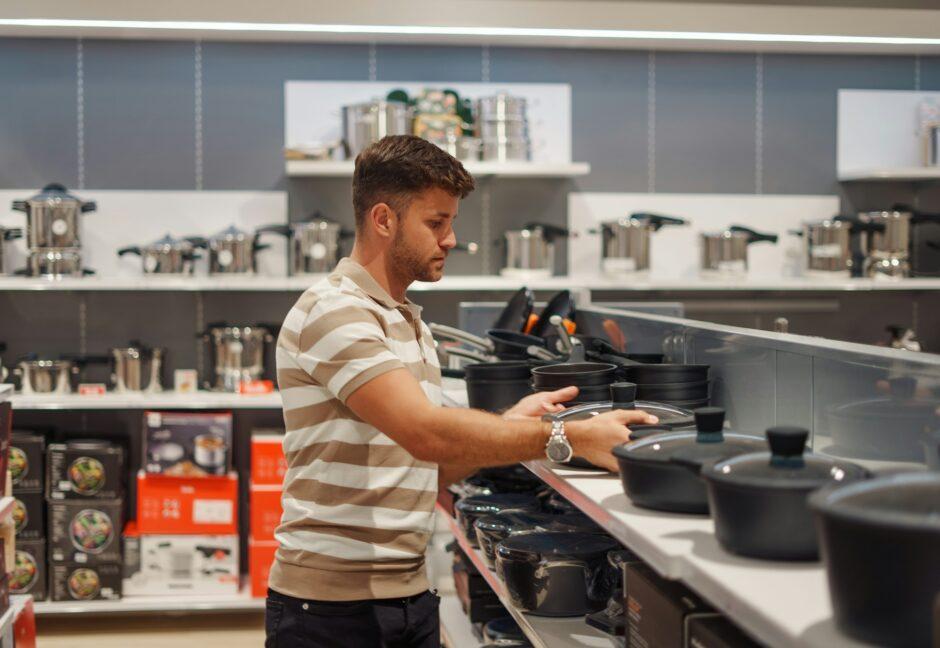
383 220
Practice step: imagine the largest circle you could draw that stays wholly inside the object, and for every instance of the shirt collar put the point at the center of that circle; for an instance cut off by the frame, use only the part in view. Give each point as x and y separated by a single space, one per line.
367 283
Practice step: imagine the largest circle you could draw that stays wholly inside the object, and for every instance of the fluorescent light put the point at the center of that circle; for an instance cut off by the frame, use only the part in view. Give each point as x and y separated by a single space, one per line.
480 32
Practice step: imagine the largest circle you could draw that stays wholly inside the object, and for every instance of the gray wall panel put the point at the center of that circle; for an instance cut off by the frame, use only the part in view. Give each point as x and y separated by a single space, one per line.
705 122
800 110
609 107
243 104
38 114
430 63
930 72
139 115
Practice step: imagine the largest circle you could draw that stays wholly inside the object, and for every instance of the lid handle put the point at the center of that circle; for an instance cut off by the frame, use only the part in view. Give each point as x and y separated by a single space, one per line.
754 236
787 444
709 421
656 221
54 186
623 395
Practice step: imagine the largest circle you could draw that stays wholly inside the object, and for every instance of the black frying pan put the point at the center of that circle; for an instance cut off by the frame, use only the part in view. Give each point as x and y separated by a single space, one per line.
516 313
561 305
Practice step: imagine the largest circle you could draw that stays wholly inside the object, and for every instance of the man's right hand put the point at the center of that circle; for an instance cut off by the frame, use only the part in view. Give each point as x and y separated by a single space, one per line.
594 438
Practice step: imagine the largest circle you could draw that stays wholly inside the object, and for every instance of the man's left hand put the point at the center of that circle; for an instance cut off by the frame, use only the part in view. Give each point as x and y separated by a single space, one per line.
541 403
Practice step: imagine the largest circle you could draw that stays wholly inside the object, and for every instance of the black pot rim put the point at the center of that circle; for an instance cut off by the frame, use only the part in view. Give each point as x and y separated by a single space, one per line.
825 503
593 373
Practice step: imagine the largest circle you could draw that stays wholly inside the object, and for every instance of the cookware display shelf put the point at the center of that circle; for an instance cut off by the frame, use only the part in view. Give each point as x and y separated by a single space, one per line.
164 400
344 168
181 603
780 604
543 632
901 174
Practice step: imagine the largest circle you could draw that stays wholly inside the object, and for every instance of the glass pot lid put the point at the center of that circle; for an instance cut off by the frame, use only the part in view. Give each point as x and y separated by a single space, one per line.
518 521
906 501
787 465
622 397
556 545
709 442
485 504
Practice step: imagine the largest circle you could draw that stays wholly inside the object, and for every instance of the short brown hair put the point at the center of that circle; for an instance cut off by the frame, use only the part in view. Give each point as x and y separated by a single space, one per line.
396 167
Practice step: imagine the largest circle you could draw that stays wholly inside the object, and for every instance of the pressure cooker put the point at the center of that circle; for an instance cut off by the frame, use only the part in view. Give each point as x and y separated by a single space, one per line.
137 369
724 253
55 263
531 250
44 376
237 354
167 255
231 251
827 247
314 243
53 217
626 242
368 122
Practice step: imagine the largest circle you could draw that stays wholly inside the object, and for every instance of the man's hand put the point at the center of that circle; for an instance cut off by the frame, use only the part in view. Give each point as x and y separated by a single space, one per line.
537 405
594 438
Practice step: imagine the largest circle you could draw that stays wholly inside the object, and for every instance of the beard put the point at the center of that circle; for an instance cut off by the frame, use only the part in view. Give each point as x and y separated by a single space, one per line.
410 264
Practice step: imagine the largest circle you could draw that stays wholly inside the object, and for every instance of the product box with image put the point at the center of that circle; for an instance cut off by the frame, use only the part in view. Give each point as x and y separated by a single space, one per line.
27 461
85 532
29 516
77 582
658 610
29 574
268 464
164 565
187 505
83 470
185 444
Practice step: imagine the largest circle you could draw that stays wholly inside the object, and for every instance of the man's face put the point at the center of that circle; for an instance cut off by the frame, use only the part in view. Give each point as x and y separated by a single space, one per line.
424 236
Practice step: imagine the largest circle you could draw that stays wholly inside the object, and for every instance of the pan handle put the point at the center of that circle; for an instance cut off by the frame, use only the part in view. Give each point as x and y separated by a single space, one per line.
754 236
279 228
129 250
454 334
457 352
541 353
656 221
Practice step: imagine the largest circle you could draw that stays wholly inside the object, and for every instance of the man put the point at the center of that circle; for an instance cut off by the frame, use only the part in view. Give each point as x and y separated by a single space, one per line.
368 442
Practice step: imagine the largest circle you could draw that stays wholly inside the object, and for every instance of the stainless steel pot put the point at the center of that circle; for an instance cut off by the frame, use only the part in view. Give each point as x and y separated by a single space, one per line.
501 106
463 148
366 123
725 252
886 243
502 125
826 247
315 244
53 218
46 376
626 242
137 369
506 150
165 256
232 251
532 249
55 263
237 355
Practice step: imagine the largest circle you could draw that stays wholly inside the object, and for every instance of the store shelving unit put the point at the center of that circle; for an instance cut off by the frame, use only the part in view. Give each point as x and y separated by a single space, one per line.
456 629
782 604
344 169
136 605
901 174
163 400
543 632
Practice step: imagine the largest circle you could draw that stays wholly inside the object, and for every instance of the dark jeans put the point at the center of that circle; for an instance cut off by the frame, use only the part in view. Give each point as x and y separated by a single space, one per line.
383 623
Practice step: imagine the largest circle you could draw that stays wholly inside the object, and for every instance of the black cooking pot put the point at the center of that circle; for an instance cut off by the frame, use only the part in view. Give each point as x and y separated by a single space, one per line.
471 508
612 620
580 374
880 543
490 530
663 374
514 478
661 471
691 391
759 501
496 386
556 573
503 629
689 404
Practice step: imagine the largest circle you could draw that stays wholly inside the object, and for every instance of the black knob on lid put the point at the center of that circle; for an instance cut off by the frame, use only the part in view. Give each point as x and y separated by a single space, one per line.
787 440
623 393
709 419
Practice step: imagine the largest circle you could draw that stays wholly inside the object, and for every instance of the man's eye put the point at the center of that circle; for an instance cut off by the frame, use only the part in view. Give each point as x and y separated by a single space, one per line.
437 224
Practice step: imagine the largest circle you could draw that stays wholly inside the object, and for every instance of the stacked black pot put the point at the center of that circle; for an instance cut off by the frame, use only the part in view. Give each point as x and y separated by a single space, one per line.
684 385
593 379
496 386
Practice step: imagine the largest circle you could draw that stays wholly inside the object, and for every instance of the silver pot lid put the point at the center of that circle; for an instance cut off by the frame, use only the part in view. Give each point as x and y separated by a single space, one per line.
786 466
901 502
169 243
233 233
55 193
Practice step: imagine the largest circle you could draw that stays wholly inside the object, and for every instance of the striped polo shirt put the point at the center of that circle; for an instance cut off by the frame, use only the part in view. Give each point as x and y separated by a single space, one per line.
358 508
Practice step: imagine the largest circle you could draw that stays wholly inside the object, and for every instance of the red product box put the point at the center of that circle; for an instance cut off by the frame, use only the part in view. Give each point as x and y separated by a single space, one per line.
265 511
260 559
268 464
187 505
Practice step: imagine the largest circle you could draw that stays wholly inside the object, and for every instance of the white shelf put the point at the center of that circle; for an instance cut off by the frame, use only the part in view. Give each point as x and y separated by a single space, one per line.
165 400
543 632
176 604
344 169
456 629
905 174
780 604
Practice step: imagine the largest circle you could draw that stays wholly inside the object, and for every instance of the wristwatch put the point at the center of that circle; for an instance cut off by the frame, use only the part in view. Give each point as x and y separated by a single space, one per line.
558 449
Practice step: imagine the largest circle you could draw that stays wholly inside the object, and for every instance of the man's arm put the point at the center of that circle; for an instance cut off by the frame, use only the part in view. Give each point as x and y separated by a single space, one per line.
395 404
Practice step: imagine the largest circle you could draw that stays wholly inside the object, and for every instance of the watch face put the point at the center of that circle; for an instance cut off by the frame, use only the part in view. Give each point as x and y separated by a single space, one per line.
559 451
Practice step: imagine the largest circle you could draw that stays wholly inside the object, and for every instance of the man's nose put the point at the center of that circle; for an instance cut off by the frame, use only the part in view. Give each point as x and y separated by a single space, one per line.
450 241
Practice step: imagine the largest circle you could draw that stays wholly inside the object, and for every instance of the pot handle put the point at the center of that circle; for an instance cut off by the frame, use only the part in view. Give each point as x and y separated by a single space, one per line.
456 335
89 206
658 220
198 241
470 248
260 247
133 249
541 353
13 233
551 231
345 234
457 352
279 228
20 206
754 236
453 373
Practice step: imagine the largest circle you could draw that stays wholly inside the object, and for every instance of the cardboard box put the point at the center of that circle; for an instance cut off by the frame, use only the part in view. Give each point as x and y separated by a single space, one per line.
165 565
29 574
192 506
186 444
658 610
83 470
716 631
29 516
75 582
268 464
260 559
85 533
265 511
26 462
